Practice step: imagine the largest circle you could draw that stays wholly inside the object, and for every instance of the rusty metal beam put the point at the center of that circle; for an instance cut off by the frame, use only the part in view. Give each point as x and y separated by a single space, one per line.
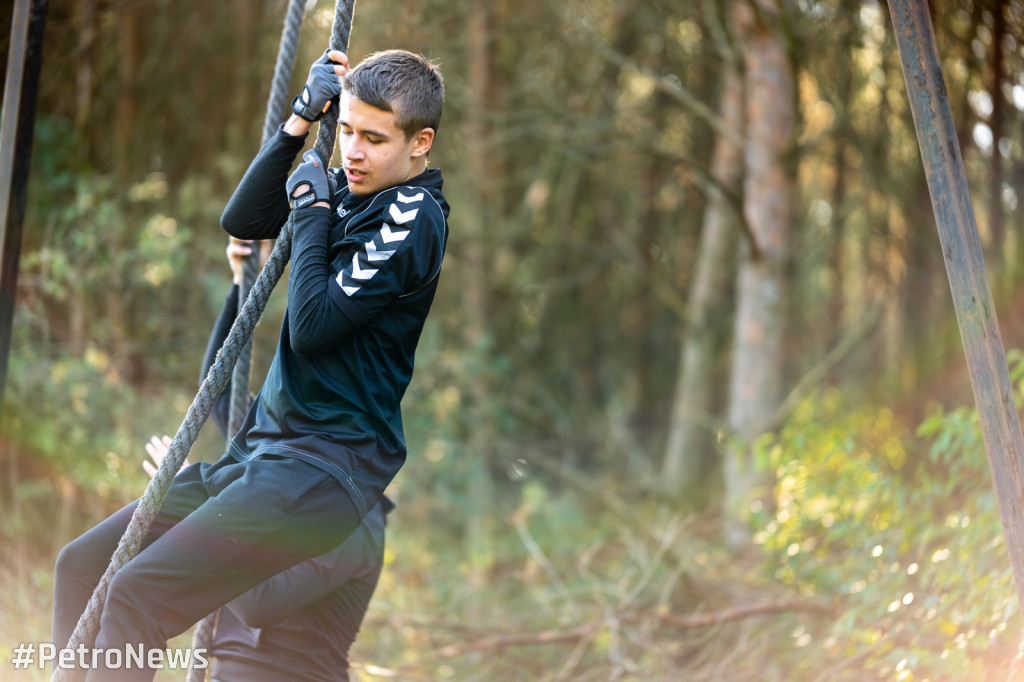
17 121
965 267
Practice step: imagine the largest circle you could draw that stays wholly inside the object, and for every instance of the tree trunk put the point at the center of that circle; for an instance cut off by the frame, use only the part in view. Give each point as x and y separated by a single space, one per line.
894 265
84 76
690 446
127 101
762 287
843 134
996 212
474 293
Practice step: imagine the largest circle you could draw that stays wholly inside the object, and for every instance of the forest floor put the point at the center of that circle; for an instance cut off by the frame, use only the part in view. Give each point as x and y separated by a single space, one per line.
569 590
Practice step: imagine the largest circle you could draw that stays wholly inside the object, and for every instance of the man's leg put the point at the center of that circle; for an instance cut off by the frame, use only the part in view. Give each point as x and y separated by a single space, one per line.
79 567
82 562
277 513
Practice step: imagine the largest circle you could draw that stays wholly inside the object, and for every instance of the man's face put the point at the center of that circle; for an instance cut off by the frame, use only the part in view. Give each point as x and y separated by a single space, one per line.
375 153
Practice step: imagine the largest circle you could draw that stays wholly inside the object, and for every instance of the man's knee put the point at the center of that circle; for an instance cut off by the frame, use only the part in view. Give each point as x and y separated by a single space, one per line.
79 559
87 556
125 595
129 611
65 560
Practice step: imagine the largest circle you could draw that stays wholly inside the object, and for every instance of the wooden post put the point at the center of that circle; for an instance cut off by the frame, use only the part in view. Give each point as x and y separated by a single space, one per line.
17 121
965 266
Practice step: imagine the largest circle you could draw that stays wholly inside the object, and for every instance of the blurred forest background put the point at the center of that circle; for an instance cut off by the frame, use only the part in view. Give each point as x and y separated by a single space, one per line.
691 403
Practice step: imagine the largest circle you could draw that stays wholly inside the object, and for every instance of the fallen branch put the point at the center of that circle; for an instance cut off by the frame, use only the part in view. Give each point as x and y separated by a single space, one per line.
734 613
697 620
494 642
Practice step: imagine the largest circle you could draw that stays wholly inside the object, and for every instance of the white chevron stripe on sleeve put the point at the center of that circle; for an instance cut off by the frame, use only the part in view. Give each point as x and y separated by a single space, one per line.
361 273
391 236
408 200
349 290
375 255
402 217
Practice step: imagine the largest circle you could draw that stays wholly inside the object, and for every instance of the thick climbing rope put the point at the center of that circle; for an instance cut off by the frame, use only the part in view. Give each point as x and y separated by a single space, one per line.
277 105
216 380
205 632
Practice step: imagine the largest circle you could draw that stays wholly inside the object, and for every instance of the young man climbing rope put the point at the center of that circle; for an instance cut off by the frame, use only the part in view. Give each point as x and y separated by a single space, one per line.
323 437
301 623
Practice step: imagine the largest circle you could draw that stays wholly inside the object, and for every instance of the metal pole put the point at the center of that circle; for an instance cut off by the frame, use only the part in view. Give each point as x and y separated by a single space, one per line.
965 266
17 121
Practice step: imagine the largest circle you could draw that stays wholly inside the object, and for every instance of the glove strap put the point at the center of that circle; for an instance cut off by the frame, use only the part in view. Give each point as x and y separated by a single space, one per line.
303 200
302 109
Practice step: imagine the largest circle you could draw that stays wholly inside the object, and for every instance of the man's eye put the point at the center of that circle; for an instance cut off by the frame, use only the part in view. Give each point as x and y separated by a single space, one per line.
373 140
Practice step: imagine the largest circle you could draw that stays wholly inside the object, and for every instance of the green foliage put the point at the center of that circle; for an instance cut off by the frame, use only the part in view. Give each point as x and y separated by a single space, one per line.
901 530
88 419
106 339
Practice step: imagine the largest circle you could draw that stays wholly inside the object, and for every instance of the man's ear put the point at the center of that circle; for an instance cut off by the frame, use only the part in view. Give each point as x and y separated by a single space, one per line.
422 141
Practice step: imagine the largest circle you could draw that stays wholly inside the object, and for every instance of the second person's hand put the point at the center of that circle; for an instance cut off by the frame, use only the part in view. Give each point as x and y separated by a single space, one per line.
157 449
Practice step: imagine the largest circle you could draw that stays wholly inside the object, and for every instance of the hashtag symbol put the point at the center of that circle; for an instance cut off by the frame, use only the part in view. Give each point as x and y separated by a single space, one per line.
23 655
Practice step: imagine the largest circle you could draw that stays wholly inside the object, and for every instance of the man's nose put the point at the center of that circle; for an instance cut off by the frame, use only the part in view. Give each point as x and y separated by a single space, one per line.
353 150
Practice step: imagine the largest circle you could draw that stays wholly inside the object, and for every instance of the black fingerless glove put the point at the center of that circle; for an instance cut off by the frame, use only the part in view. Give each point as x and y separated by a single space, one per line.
311 180
322 89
